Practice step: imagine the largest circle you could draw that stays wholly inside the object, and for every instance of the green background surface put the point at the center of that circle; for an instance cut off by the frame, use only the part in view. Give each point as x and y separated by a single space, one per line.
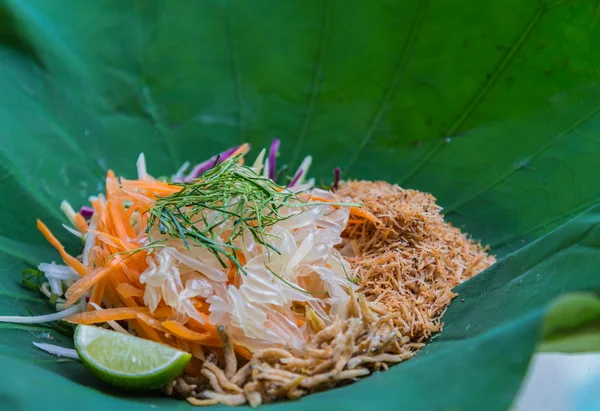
491 106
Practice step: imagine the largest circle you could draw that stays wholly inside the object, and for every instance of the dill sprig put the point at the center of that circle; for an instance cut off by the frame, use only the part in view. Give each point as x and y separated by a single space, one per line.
295 287
32 278
223 203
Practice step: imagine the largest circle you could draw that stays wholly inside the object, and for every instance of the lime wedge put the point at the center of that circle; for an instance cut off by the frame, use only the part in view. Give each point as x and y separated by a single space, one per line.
127 361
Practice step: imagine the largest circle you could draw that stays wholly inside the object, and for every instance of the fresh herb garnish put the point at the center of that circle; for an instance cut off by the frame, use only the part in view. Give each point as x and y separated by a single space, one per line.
131 253
32 278
352 280
223 203
295 287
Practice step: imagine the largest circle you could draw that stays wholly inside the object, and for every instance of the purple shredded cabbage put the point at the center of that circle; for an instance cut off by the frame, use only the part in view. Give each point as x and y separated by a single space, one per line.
210 163
336 178
296 177
86 211
272 155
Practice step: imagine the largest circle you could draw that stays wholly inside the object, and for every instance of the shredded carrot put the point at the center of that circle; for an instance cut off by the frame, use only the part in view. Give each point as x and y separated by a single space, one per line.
359 212
155 188
97 293
182 331
355 221
355 211
194 367
112 184
233 268
243 149
140 327
128 290
80 223
71 261
242 351
152 322
183 345
99 207
80 287
207 327
119 243
116 219
131 273
109 314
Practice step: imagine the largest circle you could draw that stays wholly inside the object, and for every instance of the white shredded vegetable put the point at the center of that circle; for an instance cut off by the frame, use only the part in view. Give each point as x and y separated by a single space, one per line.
258 163
305 166
115 325
178 176
37 319
57 350
72 231
55 271
141 167
56 286
90 240
257 306
68 210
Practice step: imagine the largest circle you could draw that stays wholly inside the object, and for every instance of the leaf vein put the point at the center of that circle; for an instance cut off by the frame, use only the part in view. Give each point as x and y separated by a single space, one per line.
317 80
575 211
235 73
481 93
404 57
451 208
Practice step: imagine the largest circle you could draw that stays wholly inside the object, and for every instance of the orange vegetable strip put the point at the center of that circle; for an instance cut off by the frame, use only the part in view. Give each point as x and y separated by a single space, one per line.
112 184
140 327
356 211
182 331
143 202
126 215
132 209
71 261
109 314
99 210
80 223
80 287
359 212
152 188
206 327
132 264
113 241
243 149
111 297
152 322
116 219
183 345
97 293
194 367
133 276
120 220
197 303
242 351
233 268
127 290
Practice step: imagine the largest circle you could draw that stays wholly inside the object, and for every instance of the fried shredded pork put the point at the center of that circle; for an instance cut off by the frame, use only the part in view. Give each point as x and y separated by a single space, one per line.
342 352
407 264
